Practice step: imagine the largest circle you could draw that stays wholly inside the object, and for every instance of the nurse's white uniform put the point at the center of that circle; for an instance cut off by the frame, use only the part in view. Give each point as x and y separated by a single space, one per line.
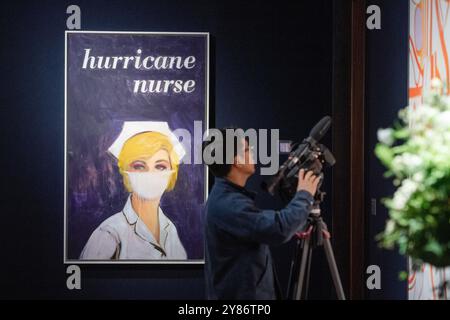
124 236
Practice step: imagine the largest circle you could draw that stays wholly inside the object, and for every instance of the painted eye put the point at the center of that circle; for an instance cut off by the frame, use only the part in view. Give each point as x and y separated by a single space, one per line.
161 167
138 166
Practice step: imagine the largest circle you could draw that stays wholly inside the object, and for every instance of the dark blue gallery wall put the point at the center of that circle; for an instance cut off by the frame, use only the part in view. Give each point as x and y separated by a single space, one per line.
270 69
281 80
386 93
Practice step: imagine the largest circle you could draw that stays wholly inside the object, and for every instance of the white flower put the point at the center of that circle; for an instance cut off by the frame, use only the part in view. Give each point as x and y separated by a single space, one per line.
403 193
418 176
399 201
408 187
446 100
423 114
397 163
411 161
407 161
390 226
443 120
386 136
436 83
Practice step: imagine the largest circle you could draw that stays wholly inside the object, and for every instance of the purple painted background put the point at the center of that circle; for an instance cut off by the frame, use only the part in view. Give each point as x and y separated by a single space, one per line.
98 102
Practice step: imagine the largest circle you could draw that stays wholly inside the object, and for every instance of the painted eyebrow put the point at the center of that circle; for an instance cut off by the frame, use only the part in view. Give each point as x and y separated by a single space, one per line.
164 162
158 161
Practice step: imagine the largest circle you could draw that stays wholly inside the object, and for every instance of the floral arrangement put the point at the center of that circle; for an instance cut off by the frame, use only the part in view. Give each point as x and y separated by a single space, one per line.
416 153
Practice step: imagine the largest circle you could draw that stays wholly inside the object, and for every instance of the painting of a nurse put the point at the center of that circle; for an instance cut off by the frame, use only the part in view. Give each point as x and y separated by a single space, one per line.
148 156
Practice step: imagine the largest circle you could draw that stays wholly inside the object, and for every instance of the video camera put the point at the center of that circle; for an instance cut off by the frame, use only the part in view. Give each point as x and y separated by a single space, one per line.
309 155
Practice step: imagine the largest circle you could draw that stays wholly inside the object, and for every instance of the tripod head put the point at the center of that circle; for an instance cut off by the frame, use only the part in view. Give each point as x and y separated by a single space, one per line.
315 228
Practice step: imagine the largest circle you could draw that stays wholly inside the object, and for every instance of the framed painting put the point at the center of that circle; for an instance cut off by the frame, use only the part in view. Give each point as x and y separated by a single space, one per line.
134 102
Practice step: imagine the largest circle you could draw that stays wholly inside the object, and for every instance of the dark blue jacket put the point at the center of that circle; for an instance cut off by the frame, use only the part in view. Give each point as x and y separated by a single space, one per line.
238 263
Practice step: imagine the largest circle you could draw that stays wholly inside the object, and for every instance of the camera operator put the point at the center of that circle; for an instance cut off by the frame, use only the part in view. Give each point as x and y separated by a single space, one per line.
238 234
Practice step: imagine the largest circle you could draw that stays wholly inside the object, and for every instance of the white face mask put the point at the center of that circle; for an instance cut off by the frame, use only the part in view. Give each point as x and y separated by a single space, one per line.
149 185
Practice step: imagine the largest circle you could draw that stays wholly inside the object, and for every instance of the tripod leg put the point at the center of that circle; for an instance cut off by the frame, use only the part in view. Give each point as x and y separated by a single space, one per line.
292 282
301 276
308 272
333 268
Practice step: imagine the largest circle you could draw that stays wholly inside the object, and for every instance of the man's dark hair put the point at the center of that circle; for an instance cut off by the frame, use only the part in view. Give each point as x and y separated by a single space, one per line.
222 169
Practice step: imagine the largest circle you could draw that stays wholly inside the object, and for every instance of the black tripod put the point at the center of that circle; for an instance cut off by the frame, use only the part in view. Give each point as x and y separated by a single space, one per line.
314 235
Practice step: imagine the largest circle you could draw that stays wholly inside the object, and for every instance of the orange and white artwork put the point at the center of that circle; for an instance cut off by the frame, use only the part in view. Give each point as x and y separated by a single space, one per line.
429 45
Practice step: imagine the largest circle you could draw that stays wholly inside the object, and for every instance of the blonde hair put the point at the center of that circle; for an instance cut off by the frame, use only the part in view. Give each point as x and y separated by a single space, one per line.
145 145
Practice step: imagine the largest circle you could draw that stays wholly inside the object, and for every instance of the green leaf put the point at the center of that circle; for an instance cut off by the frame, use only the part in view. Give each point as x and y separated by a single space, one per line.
384 153
402 275
434 247
401 134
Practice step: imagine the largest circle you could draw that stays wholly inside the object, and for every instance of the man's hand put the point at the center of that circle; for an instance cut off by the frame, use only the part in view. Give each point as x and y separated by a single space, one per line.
307 181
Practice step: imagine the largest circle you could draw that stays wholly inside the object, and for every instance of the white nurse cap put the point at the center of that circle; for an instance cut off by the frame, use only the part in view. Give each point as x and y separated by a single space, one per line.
132 128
